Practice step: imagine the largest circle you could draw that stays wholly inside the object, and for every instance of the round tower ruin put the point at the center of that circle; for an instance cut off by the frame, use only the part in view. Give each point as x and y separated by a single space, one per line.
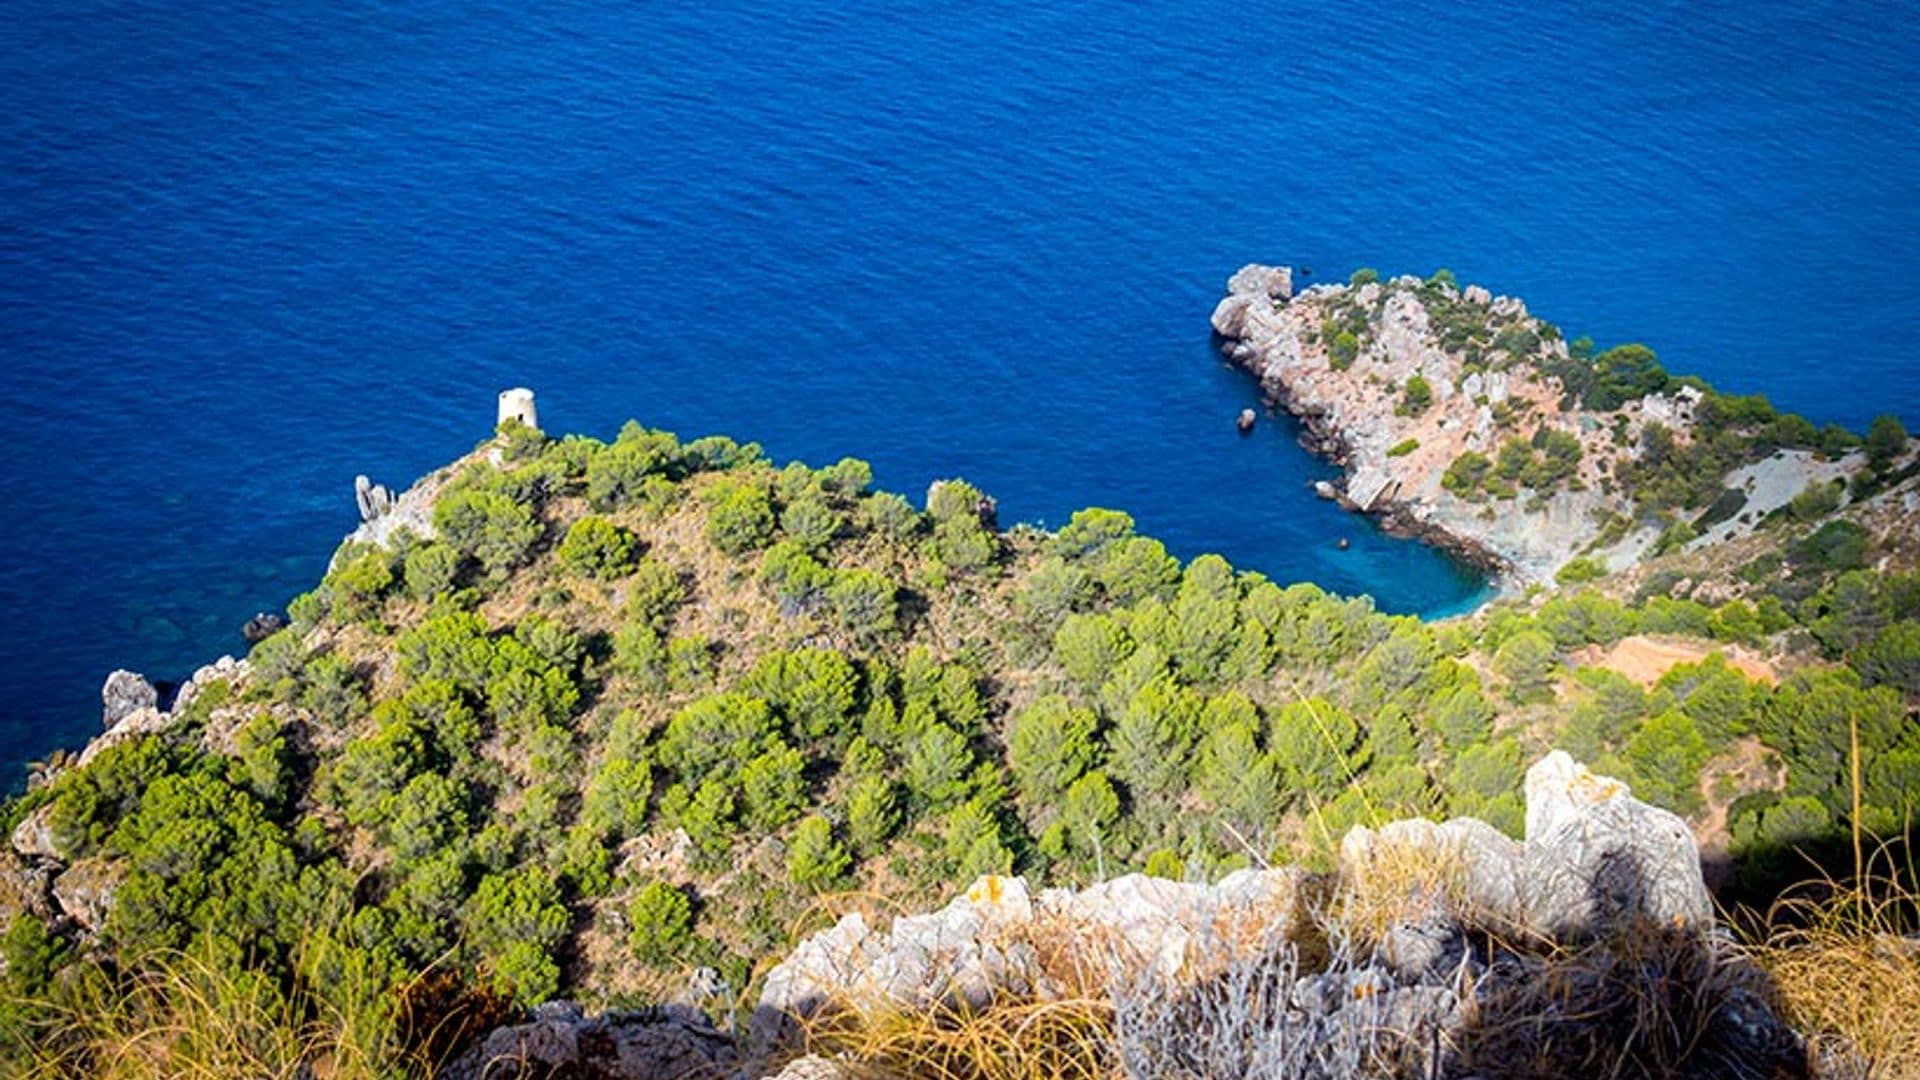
517 404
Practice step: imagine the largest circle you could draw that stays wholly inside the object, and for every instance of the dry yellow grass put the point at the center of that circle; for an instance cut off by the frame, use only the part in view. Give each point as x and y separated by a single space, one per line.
185 1017
1394 883
1844 959
200 1017
1052 1040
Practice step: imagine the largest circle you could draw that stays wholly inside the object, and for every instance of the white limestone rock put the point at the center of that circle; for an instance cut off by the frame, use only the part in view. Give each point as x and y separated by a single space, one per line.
125 692
371 499
1597 858
33 837
1256 279
232 671
131 726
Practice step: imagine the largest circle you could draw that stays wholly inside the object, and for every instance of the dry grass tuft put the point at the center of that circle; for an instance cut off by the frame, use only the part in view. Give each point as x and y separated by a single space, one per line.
1651 1000
199 1015
1845 962
183 1016
1054 1040
1398 883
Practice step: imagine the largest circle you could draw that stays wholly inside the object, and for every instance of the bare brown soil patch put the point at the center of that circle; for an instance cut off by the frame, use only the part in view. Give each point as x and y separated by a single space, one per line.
1644 659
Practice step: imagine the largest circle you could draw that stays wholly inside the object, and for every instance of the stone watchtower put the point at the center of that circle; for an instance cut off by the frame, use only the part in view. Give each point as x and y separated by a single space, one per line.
517 404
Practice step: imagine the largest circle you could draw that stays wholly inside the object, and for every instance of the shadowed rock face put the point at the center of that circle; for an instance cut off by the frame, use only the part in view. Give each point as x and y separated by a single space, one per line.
558 1040
1597 858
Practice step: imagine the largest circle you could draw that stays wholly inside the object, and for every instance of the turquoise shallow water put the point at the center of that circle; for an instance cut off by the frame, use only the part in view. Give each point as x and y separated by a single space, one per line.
247 254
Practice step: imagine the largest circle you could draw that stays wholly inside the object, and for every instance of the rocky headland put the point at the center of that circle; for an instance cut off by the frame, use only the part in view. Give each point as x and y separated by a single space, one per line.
1461 418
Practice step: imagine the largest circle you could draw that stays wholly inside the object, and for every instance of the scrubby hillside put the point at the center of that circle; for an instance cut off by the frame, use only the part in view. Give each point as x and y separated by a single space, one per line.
593 716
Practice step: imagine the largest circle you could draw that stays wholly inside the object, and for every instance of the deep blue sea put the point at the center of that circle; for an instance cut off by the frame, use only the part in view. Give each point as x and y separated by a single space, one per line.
247 251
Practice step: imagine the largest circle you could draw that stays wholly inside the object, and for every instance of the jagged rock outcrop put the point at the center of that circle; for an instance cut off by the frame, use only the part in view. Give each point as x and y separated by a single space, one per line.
38 875
33 837
384 516
226 669
124 693
84 891
1596 858
371 499
989 942
130 726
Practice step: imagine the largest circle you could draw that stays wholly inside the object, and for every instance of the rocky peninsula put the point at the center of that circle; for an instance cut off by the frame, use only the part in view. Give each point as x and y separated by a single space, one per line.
1461 418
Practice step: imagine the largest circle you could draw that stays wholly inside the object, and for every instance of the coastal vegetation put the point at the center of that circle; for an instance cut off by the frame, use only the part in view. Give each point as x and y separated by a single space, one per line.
610 714
637 702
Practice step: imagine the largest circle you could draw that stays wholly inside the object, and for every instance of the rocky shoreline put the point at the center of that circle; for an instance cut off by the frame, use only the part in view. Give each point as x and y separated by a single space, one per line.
1324 439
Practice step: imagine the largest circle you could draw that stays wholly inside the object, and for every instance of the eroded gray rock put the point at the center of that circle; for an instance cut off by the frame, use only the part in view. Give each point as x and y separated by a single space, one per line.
372 500
226 669
558 1039
1594 859
23 890
1597 858
85 891
33 837
1256 279
964 954
125 692
133 725
985 944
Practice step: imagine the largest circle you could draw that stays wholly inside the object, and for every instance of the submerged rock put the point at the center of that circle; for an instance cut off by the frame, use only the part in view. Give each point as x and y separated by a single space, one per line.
263 626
